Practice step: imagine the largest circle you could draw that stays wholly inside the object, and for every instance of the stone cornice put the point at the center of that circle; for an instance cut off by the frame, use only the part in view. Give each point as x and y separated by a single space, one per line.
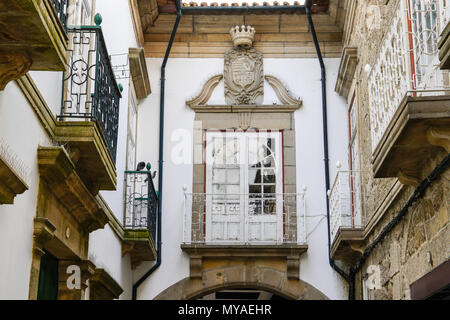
288 254
347 68
275 108
243 251
139 73
278 35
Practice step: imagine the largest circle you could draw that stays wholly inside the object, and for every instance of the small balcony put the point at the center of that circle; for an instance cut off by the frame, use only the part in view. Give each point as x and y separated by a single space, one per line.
347 216
244 226
409 95
33 37
140 218
89 117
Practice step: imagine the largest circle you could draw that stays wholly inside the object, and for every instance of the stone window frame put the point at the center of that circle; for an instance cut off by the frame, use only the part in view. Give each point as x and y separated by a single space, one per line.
244 121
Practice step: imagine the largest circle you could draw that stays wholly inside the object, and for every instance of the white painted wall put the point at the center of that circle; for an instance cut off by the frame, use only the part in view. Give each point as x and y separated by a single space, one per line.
184 79
119 36
20 131
104 245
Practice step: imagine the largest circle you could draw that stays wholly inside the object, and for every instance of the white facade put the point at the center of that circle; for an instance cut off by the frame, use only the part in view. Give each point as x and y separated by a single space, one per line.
184 79
21 133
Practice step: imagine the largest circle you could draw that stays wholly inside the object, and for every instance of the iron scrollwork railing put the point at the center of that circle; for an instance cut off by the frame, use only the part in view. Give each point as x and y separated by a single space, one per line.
90 90
61 10
141 201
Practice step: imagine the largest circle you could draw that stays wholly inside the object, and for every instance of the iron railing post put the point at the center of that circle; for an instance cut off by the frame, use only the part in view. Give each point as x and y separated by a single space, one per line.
81 101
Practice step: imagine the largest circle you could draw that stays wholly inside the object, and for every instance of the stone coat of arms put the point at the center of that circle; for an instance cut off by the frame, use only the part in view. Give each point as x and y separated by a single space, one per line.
244 82
243 76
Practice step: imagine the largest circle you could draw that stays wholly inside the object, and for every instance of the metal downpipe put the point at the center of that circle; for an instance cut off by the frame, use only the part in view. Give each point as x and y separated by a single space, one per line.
161 153
308 4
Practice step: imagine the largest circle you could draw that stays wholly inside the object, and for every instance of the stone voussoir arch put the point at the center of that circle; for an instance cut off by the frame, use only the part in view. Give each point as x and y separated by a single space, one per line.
233 277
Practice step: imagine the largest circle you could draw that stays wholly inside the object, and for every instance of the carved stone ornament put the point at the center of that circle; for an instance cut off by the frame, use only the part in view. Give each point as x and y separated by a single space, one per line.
244 82
243 75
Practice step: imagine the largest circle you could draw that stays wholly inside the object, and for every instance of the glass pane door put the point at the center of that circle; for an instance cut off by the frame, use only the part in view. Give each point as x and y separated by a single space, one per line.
244 186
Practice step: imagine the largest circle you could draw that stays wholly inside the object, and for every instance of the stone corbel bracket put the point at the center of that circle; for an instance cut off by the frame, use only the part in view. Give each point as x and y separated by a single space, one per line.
347 69
286 255
58 171
288 103
139 73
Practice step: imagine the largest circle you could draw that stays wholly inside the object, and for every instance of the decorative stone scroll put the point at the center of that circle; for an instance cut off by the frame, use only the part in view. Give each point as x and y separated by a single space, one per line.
287 102
206 92
281 91
244 82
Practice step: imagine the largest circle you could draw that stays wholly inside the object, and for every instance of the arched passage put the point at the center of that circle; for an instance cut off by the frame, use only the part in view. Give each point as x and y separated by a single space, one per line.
251 277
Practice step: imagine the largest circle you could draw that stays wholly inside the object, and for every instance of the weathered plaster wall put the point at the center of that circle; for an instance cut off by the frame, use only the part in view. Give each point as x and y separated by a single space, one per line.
22 133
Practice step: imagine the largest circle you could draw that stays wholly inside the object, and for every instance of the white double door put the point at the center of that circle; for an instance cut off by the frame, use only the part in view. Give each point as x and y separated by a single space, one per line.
244 201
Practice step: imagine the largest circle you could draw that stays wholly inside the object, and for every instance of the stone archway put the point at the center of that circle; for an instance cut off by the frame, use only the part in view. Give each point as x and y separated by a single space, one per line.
242 276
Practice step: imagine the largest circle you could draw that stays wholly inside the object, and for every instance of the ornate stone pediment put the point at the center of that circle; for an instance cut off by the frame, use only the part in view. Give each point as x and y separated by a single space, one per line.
287 102
244 81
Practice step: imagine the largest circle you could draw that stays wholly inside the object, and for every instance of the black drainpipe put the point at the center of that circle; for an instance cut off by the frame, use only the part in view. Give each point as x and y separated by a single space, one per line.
161 153
308 4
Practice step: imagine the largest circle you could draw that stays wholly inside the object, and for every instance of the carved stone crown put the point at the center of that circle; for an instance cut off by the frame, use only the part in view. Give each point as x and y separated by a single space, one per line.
242 35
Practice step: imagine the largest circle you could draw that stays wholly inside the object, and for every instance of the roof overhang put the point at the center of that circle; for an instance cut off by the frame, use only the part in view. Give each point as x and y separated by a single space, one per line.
282 30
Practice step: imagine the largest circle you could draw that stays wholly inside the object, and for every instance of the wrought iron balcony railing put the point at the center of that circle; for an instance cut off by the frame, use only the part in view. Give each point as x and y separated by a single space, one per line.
61 10
347 202
408 61
244 219
141 202
90 90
